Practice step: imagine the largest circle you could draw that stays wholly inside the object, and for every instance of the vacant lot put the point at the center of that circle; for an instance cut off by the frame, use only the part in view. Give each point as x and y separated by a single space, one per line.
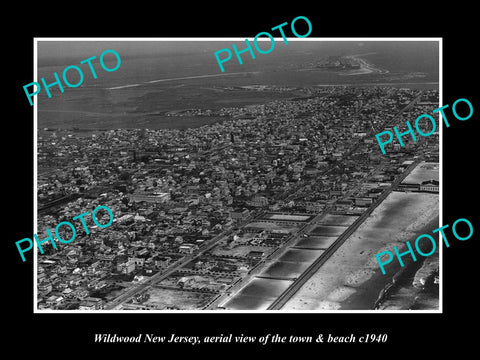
177 299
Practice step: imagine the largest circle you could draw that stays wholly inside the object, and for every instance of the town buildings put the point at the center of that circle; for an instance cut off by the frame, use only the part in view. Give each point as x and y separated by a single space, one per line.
172 191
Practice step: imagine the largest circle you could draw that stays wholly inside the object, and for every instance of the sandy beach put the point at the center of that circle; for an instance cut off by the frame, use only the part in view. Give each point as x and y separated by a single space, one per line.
353 272
365 67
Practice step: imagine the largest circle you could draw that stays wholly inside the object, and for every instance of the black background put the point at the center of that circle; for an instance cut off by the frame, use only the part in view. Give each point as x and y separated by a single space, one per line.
408 334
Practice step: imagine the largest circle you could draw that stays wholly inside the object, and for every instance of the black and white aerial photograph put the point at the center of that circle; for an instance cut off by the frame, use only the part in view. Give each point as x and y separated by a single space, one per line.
219 180
259 188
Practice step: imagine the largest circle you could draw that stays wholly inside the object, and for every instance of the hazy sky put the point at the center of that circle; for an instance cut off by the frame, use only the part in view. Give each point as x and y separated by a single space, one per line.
59 52
72 52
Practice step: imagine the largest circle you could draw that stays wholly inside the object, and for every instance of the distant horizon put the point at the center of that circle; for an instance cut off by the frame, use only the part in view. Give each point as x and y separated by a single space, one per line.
157 76
51 53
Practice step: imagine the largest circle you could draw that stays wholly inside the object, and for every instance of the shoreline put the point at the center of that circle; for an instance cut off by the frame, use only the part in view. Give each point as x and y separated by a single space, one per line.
365 67
351 278
367 298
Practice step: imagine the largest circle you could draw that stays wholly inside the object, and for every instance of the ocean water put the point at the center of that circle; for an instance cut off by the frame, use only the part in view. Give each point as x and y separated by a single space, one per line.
159 76
146 61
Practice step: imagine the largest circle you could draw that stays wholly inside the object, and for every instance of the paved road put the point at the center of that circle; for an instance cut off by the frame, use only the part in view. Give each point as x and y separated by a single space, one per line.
313 268
128 294
292 289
